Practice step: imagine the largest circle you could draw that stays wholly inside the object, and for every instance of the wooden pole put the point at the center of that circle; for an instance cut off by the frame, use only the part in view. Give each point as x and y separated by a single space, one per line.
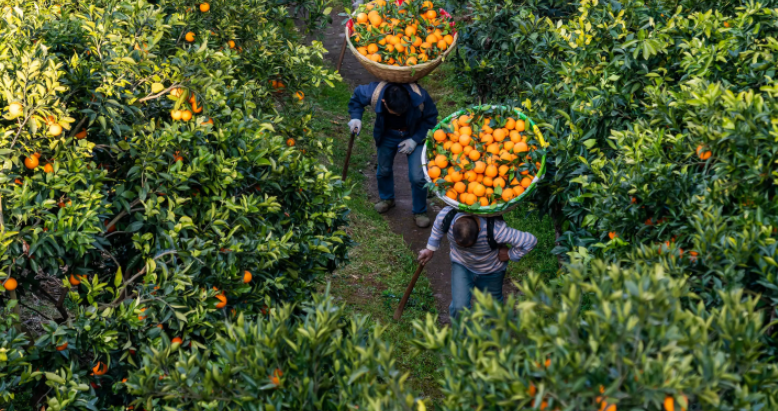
348 155
342 55
399 312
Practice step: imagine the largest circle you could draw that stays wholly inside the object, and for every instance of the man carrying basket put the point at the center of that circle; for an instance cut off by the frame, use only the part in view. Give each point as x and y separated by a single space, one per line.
479 255
405 113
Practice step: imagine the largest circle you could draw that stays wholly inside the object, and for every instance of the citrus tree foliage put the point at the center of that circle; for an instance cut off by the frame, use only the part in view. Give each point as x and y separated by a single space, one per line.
605 337
323 361
177 182
662 122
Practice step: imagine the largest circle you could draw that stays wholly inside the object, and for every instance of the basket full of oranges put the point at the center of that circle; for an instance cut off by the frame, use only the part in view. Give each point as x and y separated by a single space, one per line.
484 160
400 41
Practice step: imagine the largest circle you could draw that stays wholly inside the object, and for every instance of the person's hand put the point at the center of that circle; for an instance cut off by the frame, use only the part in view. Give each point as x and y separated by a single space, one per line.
425 256
407 146
503 254
355 125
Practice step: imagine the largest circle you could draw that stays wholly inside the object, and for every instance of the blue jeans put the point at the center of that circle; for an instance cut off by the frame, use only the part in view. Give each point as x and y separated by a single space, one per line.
462 283
385 174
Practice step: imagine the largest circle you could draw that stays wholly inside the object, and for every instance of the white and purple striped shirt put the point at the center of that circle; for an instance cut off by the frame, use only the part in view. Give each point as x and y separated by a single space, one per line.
480 258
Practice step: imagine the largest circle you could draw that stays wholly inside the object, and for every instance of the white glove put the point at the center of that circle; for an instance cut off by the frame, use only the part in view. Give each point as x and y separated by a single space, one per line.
355 125
407 146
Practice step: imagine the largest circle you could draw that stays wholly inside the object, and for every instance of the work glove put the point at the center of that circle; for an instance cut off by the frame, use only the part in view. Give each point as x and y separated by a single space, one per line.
355 125
407 146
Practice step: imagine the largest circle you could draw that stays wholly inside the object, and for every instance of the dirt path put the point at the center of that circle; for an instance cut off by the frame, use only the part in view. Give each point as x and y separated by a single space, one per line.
400 218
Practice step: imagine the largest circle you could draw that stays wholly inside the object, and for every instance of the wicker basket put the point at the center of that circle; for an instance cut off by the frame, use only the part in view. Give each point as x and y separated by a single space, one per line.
394 74
497 209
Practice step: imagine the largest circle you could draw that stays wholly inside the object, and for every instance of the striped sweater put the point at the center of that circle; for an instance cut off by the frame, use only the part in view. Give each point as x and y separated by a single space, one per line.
480 258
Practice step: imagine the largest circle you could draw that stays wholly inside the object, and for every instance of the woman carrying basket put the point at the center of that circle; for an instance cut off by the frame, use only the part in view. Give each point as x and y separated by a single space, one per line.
405 113
479 255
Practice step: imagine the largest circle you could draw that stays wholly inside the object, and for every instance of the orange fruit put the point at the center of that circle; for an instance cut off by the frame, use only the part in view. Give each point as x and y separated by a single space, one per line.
190 37
362 50
176 114
231 43
462 120
487 138
518 190
510 124
447 145
507 195
456 176
290 142
430 14
434 172
526 182
222 301
55 130
669 403
15 109
456 148
487 181
31 162
470 199
474 155
186 115
508 145
177 158
503 170
10 284
441 161
451 194
375 18
460 187
176 340
498 182
465 139
372 48
81 134
493 148
515 136
480 167
62 347
439 135
100 368
519 125
520 147
703 152
479 190
74 280
442 44
361 18
491 171
300 95
48 168
612 235
449 39
204 7
499 134
142 317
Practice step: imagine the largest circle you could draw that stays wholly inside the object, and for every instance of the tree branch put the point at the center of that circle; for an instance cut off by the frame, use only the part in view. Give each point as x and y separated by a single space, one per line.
32 309
160 94
119 216
75 129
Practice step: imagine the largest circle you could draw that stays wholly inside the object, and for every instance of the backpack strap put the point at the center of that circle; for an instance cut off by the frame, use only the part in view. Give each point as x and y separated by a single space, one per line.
416 89
490 233
448 219
377 93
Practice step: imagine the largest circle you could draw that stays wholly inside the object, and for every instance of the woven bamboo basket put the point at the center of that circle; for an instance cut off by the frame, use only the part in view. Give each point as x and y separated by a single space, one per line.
394 74
493 210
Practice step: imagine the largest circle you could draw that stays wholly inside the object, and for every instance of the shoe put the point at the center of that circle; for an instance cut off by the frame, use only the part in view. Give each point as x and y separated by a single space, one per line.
421 220
384 206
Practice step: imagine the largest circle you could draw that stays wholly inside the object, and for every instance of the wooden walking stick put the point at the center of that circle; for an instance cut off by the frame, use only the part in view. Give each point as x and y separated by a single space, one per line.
348 155
399 312
342 54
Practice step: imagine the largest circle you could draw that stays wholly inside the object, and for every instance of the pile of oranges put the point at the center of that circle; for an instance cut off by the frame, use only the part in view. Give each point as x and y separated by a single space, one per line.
482 160
404 34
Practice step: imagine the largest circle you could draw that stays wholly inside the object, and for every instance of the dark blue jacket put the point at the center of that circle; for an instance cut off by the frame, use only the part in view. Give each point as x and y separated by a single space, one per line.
419 122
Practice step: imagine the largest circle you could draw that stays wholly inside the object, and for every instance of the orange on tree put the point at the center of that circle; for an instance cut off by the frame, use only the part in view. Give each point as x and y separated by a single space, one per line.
31 162
10 284
231 44
204 7
63 346
190 37
669 403
100 369
176 114
48 168
703 152
81 134
15 109
290 142
176 340
246 277
222 301
300 95
612 235
55 130
186 115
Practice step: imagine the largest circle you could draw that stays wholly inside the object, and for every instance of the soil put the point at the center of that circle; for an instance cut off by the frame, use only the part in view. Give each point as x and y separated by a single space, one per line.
400 218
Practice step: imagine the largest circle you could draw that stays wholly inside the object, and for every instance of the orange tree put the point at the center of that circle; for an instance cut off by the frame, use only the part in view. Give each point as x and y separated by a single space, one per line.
661 116
159 176
605 338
